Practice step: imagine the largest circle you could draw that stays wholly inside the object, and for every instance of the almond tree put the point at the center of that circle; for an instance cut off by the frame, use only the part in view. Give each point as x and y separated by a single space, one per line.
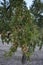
23 31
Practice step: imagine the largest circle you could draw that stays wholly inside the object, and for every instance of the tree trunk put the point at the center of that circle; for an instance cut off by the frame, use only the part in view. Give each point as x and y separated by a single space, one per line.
24 58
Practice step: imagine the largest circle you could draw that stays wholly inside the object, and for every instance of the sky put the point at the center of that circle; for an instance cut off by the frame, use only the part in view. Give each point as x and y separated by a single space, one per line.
28 2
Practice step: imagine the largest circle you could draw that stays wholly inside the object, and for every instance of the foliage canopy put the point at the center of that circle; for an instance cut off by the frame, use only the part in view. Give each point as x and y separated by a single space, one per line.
18 27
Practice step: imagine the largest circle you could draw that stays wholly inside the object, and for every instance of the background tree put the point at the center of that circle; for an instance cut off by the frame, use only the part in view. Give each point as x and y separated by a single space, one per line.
37 11
5 15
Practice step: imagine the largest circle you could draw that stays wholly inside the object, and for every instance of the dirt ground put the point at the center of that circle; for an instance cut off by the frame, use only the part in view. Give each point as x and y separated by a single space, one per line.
15 59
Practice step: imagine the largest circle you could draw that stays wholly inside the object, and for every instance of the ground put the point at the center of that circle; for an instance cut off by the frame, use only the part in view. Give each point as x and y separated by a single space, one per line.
36 58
